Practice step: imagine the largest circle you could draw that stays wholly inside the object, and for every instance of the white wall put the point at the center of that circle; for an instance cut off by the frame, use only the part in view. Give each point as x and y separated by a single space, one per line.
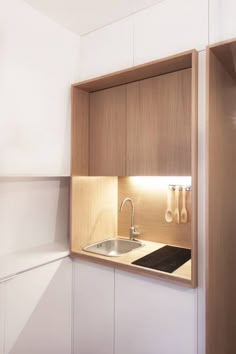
39 60
164 29
222 22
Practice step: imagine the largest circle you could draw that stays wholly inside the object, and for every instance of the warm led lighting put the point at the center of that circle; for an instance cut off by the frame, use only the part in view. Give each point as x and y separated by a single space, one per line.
160 181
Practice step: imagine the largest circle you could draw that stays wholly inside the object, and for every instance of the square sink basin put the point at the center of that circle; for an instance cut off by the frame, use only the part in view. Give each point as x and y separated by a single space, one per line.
113 247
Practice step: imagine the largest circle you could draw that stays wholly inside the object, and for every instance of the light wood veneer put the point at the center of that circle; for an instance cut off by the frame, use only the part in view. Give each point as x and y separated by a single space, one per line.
107 138
110 120
221 192
159 125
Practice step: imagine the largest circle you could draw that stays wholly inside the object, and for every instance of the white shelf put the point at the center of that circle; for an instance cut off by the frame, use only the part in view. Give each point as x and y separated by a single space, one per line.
14 263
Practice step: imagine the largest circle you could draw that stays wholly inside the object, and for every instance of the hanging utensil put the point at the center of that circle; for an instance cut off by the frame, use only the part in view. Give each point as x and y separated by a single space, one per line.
169 214
184 213
176 212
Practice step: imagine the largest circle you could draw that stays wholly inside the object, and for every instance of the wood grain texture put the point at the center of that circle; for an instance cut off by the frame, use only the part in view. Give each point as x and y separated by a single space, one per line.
194 167
108 132
159 125
139 72
221 226
150 204
93 210
226 53
79 132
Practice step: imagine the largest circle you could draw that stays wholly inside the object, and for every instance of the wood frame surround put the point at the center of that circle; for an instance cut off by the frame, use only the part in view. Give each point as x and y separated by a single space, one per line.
91 200
221 192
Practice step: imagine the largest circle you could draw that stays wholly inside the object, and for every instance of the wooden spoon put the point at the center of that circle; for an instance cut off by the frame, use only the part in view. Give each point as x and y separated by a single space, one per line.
176 212
169 214
183 214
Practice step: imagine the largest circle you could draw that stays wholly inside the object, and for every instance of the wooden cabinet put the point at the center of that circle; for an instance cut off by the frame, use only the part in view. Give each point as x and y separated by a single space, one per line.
159 125
140 121
152 317
220 194
93 308
107 132
38 310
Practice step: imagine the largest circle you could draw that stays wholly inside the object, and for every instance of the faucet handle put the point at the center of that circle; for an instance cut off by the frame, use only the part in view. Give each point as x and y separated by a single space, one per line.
133 232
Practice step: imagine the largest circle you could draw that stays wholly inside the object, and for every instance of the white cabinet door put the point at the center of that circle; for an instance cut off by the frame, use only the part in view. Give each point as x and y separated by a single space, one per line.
38 310
39 60
170 27
107 49
2 316
153 317
93 308
222 20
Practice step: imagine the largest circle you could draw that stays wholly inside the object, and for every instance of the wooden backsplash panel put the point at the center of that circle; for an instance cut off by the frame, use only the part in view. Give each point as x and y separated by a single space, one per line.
150 202
93 210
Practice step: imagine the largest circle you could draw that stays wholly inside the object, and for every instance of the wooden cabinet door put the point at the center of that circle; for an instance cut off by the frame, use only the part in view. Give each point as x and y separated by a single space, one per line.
108 132
159 125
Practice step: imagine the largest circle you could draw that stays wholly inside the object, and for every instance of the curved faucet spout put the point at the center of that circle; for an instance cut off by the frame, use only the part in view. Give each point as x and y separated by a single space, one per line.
133 232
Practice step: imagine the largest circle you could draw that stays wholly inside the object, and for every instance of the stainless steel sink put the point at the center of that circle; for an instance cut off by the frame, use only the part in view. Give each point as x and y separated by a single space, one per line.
113 247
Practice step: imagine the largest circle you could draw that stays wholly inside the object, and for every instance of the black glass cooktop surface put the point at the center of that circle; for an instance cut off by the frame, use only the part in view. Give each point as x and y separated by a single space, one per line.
167 259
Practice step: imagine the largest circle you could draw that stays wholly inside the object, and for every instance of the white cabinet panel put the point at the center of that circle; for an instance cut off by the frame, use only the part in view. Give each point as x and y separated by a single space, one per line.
93 308
40 211
153 317
107 49
2 316
222 20
38 310
170 27
38 63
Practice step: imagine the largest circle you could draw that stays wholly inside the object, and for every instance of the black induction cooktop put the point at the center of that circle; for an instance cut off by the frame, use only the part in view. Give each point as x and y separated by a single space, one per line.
167 259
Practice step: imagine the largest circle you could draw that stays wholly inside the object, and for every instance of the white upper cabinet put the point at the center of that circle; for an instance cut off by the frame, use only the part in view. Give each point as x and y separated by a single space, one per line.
170 27
107 49
93 308
154 317
39 60
33 222
2 316
222 24
38 310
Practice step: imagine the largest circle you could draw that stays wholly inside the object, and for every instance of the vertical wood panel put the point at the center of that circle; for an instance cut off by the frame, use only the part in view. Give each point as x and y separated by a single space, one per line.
108 132
221 226
79 132
93 210
159 125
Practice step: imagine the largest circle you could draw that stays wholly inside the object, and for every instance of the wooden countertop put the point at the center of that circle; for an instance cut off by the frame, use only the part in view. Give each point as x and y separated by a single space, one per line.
181 276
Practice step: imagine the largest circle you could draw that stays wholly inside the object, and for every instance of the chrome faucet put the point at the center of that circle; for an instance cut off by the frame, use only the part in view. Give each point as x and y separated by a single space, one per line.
132 231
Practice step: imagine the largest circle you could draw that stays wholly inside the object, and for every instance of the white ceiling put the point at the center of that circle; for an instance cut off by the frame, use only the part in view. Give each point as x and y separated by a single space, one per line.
83 16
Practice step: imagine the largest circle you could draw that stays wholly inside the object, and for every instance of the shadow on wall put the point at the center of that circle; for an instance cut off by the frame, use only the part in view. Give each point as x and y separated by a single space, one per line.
62 226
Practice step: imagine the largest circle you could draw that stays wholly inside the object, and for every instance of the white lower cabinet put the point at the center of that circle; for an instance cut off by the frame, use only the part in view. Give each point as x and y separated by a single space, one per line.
154 317
38 310
117 312
93 308
2 316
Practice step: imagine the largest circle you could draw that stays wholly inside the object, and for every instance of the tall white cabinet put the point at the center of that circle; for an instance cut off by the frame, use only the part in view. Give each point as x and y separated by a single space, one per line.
2 316
37 311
